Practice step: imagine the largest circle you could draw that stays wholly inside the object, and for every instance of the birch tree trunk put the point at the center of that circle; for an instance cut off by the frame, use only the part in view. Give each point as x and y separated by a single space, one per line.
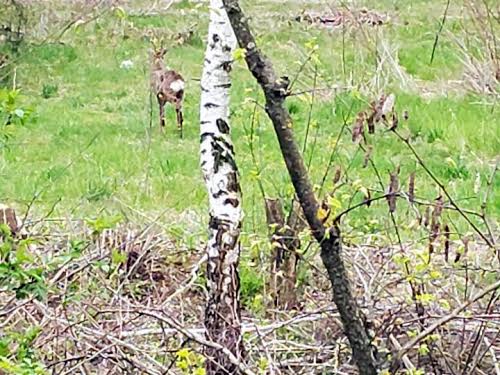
222 314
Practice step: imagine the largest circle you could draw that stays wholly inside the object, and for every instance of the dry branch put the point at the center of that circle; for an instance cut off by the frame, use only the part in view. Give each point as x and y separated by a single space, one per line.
445 319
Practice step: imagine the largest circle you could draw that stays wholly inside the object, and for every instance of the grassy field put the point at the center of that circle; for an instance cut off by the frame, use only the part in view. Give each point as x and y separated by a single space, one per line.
91 147
88 153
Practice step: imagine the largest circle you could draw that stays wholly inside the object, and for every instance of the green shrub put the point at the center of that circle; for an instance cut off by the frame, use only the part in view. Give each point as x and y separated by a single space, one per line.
49 90
19 271
12 113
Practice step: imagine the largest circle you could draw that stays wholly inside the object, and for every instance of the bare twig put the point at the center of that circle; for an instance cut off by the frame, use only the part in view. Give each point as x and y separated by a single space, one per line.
426 332
436 39
197 338
443 188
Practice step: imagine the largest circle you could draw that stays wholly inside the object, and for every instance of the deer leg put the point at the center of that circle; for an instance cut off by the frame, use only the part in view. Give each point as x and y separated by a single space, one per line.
162 117
150 110
178 110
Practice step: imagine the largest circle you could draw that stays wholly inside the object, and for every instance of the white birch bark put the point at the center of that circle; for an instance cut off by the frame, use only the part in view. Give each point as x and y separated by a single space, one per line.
222 315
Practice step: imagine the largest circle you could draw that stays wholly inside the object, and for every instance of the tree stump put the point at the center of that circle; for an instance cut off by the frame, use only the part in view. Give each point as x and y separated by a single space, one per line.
8 217
285 244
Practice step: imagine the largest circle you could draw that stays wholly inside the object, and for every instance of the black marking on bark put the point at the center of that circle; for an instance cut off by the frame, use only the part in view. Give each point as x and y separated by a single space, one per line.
216 38
226 144
218 155
205 135
204 122
219 194
232 182
224 85
226 65
211 105
232 201
226 48
216 223
222 126
221 155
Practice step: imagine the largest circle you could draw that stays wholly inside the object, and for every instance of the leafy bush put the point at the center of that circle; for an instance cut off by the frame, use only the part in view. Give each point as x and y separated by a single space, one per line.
49 90
18 268
252 284
17 355
12 114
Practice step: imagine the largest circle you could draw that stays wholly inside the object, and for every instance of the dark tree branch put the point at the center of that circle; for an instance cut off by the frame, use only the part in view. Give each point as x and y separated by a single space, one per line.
276 90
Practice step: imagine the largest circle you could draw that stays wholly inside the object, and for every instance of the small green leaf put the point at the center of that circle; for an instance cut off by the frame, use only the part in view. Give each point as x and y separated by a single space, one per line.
118 257
423 349
239 54
120 13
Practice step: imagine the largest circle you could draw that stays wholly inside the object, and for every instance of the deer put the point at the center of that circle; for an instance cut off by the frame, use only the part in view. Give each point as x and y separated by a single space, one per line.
168 87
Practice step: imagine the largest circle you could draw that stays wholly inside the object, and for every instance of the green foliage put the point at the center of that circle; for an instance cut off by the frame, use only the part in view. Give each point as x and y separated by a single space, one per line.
293 108
76 247
251 287
263 365
184 4
98 191
103 222
435 134
190 362
19 269
118 257
13 113
456 169
17 355
49 90
61 53
239 54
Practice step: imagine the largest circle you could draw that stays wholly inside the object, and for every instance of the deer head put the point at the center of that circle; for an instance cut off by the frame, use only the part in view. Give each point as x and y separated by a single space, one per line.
158 58
158 54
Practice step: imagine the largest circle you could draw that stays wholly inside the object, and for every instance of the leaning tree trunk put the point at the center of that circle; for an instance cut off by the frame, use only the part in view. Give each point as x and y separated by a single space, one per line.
275 90
222 314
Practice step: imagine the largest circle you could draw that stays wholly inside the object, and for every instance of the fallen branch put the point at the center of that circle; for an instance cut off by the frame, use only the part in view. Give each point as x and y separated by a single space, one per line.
198 339
245 328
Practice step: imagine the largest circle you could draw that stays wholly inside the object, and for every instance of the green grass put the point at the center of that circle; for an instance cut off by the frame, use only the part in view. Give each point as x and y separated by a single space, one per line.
91 148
